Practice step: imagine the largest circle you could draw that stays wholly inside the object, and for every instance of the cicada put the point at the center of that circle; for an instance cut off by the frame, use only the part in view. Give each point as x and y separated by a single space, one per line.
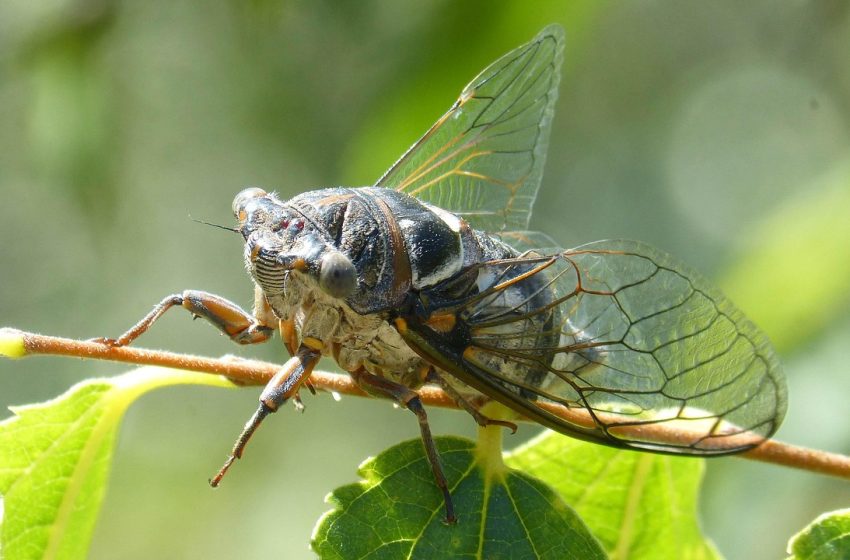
432 276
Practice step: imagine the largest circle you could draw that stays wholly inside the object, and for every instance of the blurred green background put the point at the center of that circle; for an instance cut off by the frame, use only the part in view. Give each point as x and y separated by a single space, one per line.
717 131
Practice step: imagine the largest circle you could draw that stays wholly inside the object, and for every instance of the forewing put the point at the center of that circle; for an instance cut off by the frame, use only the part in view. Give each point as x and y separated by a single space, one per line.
525 241
637 349
483 159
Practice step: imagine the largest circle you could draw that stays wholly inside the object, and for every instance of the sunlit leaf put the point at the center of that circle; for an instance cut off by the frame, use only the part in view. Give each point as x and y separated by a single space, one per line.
639 505
397 512
827 538
55 459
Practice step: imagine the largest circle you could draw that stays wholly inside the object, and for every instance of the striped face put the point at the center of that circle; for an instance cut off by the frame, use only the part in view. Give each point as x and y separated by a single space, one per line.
279 239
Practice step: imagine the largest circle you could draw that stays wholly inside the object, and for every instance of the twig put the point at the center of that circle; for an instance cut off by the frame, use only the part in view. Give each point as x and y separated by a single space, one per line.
15 344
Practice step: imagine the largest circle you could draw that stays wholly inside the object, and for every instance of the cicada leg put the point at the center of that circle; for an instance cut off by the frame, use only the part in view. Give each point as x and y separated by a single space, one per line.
284 385
225 315
409 399
480 419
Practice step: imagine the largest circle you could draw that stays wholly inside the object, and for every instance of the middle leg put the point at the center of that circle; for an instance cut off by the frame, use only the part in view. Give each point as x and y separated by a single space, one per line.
409 399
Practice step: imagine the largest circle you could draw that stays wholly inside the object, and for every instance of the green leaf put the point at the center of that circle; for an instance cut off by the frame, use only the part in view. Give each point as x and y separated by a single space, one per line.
639 505
55 458
397 511
826 538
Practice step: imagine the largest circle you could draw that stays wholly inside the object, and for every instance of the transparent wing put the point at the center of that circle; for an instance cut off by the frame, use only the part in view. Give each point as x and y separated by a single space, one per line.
524 241
643 350
483 159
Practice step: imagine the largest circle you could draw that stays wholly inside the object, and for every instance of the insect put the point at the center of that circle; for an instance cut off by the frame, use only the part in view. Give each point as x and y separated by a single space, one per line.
431 276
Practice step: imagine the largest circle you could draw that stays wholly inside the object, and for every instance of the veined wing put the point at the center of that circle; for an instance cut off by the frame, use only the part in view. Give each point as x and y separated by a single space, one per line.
483 159
639 350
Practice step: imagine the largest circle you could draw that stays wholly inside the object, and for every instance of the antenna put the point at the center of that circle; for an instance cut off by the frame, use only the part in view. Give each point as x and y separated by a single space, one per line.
235 230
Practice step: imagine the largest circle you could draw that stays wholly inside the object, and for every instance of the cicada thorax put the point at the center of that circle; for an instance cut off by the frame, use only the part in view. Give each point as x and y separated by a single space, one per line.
490 316
362 228
396 243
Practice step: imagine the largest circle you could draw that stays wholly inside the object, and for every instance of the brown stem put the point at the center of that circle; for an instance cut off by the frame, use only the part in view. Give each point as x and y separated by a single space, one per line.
252 372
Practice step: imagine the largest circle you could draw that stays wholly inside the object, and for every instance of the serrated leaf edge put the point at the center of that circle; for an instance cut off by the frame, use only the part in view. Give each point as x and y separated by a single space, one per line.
370 480
807 530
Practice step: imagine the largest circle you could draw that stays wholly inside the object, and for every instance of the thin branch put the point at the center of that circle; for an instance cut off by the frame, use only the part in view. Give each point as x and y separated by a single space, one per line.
15 343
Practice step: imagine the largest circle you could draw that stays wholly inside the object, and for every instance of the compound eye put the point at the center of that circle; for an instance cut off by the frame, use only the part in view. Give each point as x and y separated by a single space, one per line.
243 197
337 275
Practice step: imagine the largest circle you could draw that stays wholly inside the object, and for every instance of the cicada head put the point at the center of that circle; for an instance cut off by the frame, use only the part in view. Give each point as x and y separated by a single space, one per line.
280 239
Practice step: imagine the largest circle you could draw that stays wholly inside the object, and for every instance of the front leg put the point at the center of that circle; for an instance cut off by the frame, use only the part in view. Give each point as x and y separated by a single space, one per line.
225 315
409 399
282 387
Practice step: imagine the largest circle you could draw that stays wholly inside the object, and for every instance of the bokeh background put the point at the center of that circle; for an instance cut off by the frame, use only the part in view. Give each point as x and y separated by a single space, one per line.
718 131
